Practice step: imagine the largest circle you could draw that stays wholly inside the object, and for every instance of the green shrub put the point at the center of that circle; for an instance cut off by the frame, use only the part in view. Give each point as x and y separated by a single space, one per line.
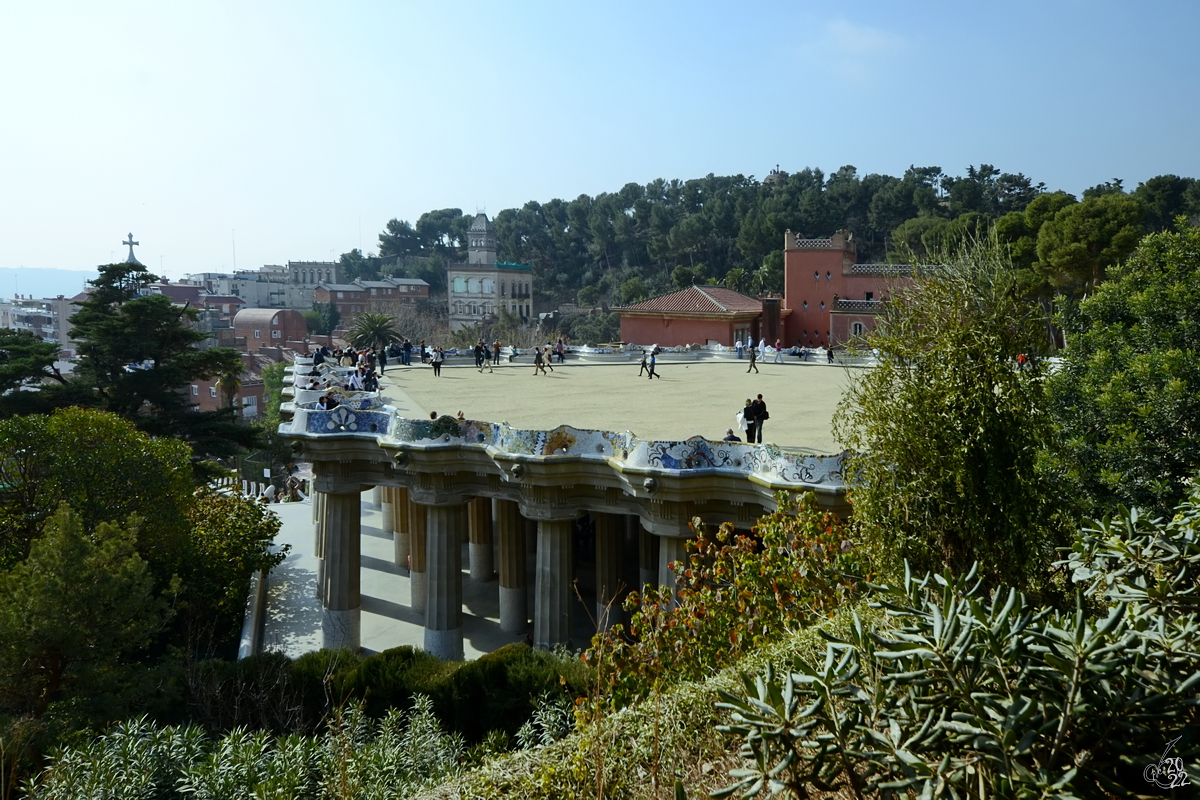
974 695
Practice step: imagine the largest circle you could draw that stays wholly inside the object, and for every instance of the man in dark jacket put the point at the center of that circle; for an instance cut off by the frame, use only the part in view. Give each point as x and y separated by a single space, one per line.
758 410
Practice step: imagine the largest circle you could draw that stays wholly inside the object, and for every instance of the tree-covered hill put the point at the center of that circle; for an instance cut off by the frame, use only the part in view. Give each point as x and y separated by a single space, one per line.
643 239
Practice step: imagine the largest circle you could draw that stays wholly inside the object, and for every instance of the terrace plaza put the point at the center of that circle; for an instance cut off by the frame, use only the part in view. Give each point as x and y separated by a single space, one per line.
555 496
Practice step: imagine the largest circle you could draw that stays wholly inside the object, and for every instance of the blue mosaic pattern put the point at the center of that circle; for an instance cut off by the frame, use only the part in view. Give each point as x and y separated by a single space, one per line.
692 455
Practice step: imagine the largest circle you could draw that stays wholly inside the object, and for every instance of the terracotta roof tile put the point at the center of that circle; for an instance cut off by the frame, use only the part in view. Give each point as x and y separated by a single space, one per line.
700 300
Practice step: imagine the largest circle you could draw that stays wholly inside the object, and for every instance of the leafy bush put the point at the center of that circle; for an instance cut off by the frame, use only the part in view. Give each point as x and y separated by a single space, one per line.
735 594
355 758
975 696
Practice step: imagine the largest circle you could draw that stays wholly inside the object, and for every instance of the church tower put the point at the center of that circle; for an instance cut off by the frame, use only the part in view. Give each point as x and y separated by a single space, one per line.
481 242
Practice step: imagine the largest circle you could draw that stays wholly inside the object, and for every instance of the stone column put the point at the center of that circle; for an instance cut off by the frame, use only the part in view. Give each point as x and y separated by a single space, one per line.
402 541
480 549
444 528
342 602
388 526
319 507
552 612
610 534
647 557
377 497
670 548
416 577
510 536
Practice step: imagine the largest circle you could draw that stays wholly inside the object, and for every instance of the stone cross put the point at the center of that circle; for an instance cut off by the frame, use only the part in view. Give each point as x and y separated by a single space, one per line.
131 243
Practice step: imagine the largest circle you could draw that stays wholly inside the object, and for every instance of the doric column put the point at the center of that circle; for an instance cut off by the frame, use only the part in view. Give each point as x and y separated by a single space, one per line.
402 541
480 549
416 577
319 540
670 549
341 597
552 612
510 536
647 557
388 526
610 533
531 535
444 529
377 498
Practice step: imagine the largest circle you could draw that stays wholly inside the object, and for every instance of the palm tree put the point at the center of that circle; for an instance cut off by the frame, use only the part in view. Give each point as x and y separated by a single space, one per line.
373 330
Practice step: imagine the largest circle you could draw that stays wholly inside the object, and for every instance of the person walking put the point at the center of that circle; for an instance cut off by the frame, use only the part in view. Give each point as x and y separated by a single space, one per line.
652 374
748 417
753 361
778 352
645 366
537 361
829 353
560 350
759 410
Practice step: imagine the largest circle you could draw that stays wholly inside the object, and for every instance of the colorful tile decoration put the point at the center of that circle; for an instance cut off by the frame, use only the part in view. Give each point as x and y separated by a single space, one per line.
692 455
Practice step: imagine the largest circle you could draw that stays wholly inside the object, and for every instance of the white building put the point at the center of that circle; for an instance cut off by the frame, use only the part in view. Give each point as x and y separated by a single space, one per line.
478 289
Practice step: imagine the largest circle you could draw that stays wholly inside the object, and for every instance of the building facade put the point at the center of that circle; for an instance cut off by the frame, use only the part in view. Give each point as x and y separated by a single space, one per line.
829 298
478 289
696 315
384 296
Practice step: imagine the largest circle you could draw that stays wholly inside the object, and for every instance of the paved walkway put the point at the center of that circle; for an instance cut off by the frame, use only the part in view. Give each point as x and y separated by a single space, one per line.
698 398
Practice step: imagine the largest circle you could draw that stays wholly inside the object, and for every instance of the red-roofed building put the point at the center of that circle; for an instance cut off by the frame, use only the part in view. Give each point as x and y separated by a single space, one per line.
695 315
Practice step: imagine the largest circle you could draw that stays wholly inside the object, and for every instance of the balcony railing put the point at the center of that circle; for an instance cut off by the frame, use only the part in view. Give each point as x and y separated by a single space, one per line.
868 306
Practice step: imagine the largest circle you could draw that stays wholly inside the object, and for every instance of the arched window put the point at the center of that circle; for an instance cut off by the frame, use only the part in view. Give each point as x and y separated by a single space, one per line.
488 286
857 329
816 276
328 276
460 285
472 285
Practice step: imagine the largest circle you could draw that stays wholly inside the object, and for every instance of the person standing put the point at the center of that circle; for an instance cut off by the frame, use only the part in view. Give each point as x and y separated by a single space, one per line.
753 361
496 353
759 410
560 350
436 359
406 353
748 416
652 374
739 345
383 361
778 352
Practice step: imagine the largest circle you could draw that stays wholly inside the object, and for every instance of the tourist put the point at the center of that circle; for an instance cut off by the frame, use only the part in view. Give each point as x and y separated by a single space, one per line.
758 409
537 361
356 380
753 361
406 353
653 360
829 354
739 346
496 353
560 350
424 352
778 352
762 349
436 359
747 415
645 367
730 436
383 361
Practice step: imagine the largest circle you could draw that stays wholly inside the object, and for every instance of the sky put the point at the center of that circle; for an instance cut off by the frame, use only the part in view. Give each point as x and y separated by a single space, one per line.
230 135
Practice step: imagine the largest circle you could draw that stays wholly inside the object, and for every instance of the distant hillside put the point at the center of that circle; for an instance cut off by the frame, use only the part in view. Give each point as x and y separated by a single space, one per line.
42 282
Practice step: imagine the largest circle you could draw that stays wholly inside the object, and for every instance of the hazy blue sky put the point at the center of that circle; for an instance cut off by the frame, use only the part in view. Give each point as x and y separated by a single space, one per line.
304 127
